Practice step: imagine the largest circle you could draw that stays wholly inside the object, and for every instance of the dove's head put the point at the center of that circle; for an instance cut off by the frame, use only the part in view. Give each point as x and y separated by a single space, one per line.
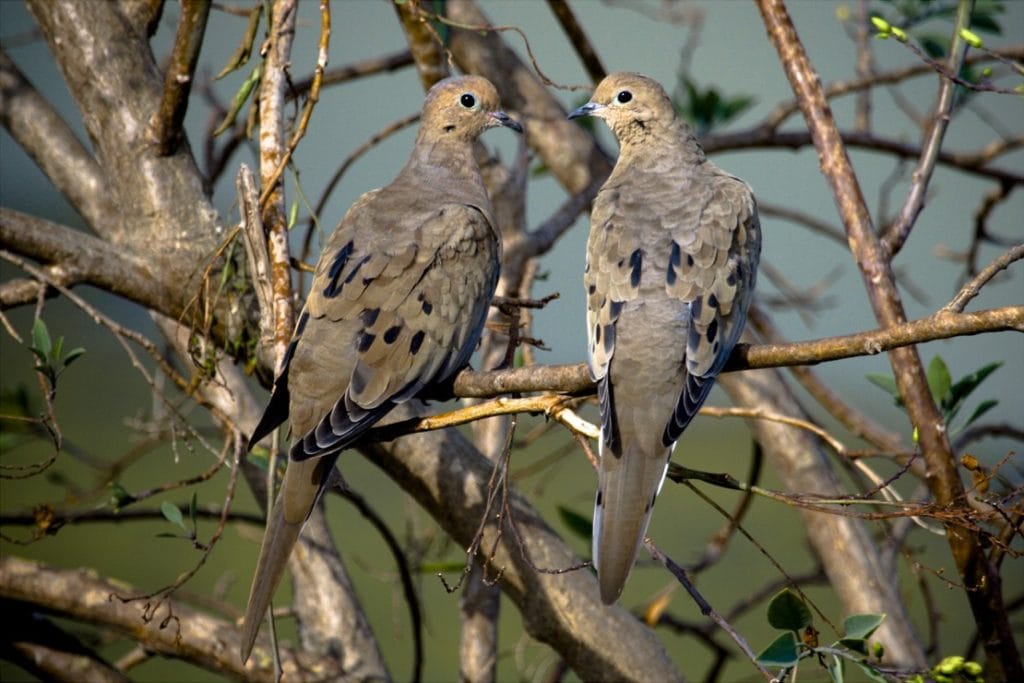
462 107
632 105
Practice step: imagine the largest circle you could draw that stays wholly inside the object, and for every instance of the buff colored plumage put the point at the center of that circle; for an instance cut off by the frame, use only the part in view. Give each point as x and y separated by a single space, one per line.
671 262
397 305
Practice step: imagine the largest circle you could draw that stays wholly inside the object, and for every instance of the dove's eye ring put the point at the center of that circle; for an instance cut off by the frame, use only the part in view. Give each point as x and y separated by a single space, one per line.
467 101
624 96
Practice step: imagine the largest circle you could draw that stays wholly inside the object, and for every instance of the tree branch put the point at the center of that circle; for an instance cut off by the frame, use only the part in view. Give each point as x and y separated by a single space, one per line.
940 325
172 629
449 478
165 126
899 230
77 258
51 143
984 592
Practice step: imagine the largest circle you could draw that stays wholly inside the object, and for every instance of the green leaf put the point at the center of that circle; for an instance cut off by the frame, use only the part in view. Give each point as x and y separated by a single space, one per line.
577 523
782 652
861 625
985 23
872 674
238 101
886 383
836 669
55 352
120 495
193 511
73 355
937 46
966 385
172 514
41 338
939 380
858 645
982 408
168 534
788 612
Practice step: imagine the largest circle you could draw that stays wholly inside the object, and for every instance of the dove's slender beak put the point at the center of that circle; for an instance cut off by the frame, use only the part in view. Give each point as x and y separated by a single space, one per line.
588 109
503 119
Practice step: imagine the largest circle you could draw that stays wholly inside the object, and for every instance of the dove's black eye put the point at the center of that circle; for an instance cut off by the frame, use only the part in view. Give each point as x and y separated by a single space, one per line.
467 101
624 96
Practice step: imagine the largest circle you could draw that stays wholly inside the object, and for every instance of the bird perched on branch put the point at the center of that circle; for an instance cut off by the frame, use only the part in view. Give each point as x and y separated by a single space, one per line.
397 305
671 261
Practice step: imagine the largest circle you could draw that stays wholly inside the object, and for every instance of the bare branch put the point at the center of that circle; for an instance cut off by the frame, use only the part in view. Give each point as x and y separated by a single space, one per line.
974 163
573 30
177 631
77 257
898 232
165 126
985 598
51 143
973 288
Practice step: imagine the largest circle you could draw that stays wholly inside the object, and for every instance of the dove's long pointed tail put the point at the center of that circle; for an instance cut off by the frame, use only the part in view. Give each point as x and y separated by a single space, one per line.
627 487
302 484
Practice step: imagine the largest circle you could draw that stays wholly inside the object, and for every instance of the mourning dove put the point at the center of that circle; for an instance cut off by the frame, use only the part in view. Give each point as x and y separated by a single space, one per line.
671 262
397 305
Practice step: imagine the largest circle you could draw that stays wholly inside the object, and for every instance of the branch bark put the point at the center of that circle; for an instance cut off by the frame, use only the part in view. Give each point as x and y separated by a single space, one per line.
449 478
983 586
170 629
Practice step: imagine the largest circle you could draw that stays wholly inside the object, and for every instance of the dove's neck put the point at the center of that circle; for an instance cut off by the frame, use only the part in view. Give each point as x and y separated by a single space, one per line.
673 145
446 166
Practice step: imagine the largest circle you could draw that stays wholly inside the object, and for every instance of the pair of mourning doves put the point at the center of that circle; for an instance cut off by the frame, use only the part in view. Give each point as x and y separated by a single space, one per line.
397 305
671 261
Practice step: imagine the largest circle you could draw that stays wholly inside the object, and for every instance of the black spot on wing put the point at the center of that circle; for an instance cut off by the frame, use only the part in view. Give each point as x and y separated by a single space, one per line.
340 260
391 334
600 497
609 419
365 341
369 316
425 305
416 342
609 337
695 392
636 260
673 263
713 301
614 309
712 331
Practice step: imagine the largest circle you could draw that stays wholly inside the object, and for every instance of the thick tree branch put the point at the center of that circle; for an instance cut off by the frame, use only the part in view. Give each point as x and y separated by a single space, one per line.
170 629
941 325
449 478
982 580
51 143
76 257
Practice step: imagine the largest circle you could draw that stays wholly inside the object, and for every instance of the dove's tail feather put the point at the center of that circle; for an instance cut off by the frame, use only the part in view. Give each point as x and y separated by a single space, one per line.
303 483
627 487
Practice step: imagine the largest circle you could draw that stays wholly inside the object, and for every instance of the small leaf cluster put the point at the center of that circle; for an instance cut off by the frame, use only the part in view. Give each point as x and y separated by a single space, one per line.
708 108
906 19
172 513
51 361
948 395
799 640
954 669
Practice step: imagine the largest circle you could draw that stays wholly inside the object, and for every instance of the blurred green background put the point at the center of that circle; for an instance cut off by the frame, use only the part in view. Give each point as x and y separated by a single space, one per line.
102 400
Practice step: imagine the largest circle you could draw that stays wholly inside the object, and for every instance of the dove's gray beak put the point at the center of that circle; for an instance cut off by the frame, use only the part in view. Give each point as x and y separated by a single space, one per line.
587 109
503 119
